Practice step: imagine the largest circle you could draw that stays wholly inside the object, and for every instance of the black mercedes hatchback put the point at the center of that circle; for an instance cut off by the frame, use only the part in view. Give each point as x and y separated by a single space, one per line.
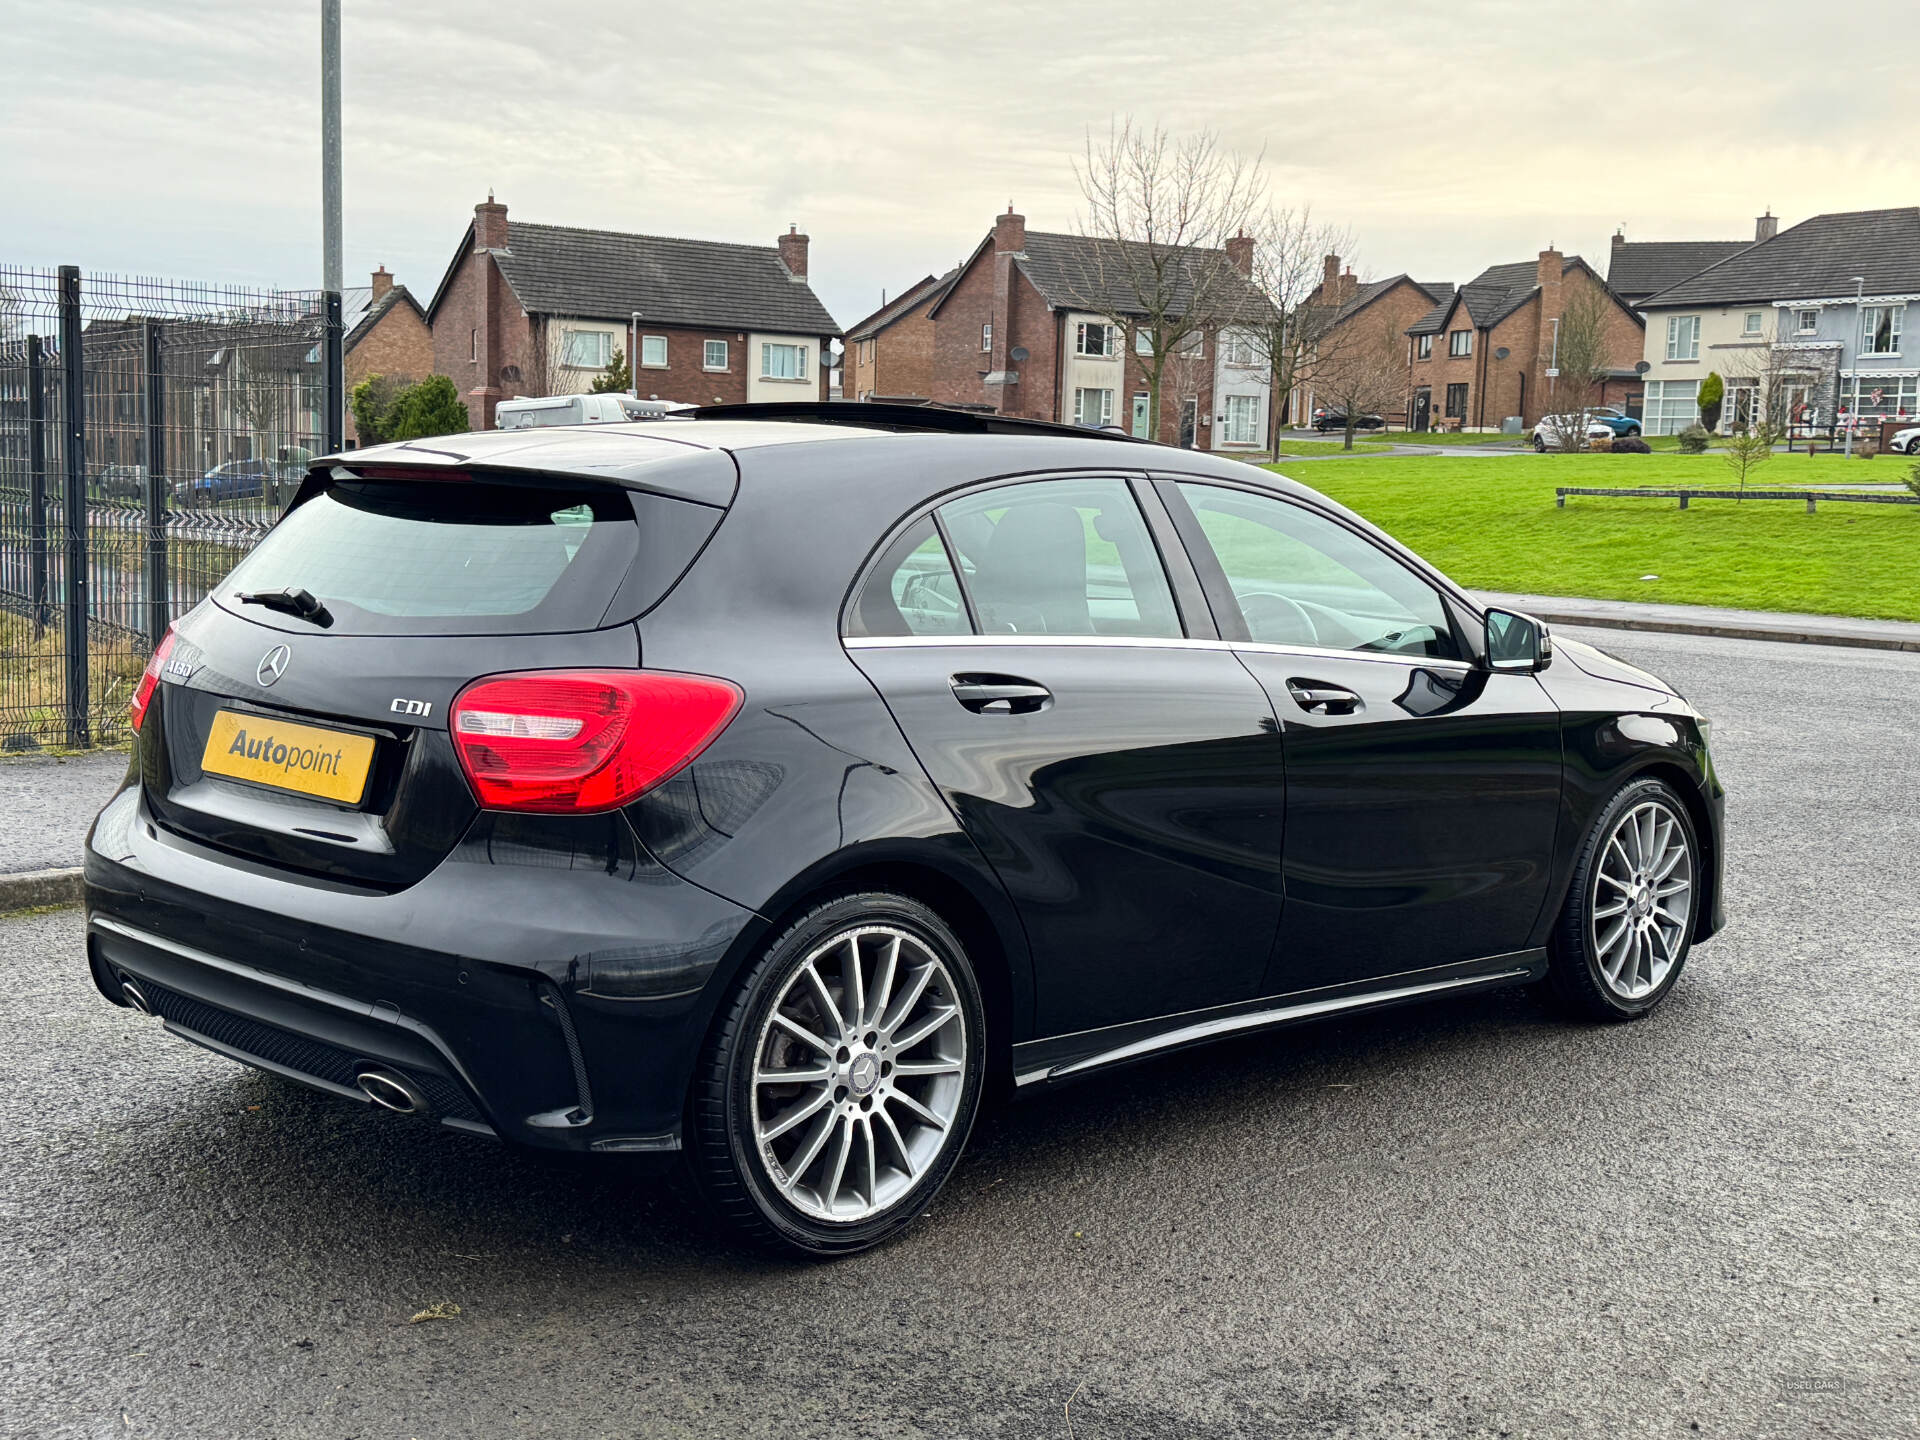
758 791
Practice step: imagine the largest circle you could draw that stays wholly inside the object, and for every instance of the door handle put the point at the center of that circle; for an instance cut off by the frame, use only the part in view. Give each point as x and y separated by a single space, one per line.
1000 694
1316 697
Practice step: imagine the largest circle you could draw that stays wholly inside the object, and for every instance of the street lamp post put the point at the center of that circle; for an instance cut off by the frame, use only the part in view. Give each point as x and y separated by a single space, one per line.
1859 328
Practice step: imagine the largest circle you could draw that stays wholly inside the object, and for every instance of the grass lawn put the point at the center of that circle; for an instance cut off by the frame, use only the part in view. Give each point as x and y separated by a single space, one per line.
1453 437
1329 447
1491 524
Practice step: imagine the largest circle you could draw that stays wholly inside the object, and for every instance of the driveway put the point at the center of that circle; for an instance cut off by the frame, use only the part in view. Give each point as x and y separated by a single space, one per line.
1463 1220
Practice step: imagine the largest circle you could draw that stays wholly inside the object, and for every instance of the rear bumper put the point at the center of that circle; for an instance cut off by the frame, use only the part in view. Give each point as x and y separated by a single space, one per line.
547 983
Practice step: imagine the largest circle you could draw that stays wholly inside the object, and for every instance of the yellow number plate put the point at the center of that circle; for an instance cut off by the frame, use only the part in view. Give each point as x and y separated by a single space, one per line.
302 758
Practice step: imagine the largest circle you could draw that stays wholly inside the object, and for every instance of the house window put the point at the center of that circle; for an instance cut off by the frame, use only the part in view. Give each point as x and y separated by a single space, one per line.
473 346
715 357
1243 419
1751 326
1090 337
1670 406
1143 342
1460 342
1683 337
1806 322
588 349
1093 407
1237 350
1423 347
1191 344
783 362
986 337
1882 397
866 352
1880 329
1457 398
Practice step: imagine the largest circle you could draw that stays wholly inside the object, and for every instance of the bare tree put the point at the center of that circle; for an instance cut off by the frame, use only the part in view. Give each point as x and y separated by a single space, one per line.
546 371
1365 372
1288 268
1581 356
1160 212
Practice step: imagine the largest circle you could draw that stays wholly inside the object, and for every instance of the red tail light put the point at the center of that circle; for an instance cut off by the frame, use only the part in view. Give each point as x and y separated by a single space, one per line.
577 741
149 677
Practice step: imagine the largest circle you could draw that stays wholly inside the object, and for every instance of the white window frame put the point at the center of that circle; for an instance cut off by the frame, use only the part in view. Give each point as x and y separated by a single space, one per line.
1806 322
1423 347
1237 351
706 354
1753 323
1894 314
1108 340
1080 401
767 347
576 343
1459 343
643 362
986 337
1143 342
1243 414
1683 337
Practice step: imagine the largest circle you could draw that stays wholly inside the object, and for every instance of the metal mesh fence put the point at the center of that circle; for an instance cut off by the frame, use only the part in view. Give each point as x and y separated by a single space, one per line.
150 432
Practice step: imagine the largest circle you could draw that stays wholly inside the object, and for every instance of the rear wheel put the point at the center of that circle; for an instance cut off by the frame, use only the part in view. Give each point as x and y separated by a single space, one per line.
838 1090
1633 432
1627 927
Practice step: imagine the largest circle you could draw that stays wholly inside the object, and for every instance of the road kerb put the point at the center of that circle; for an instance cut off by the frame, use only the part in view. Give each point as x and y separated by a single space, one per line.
32 889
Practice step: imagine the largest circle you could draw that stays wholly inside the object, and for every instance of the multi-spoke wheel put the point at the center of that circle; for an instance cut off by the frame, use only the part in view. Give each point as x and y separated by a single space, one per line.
1628 922
840 1088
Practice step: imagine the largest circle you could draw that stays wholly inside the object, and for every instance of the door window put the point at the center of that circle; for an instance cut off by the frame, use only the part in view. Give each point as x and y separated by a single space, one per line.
1060 557
913 590
1302 579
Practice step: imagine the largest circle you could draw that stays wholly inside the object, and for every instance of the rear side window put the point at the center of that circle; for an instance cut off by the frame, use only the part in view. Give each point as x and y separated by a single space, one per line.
1060 557
913 590
446 557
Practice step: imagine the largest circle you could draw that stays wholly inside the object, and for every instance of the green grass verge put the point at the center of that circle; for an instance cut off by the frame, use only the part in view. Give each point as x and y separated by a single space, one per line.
1329 447
1453 438
1491 524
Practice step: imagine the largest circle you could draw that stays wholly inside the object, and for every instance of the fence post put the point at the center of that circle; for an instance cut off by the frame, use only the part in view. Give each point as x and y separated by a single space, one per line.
335 383
75 442
159 609
37 484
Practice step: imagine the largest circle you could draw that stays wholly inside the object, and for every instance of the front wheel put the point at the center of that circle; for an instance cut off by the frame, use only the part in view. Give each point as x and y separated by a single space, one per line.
1539 444
1627 926
840 1084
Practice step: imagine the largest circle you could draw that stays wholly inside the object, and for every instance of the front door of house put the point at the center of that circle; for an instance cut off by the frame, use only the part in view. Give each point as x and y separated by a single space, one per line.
1422 409
1140 417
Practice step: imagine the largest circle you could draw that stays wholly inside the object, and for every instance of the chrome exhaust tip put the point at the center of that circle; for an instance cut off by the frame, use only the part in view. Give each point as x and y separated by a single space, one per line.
131 992
390 1091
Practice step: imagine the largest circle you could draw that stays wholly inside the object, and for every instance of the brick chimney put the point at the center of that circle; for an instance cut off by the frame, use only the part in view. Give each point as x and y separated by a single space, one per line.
490 225
1330 275
382 283
1240 252
793 252
1551 277
1009 233
1619 241
1766 227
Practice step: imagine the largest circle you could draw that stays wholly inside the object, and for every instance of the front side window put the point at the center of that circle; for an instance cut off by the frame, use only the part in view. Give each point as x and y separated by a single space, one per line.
913 590
1683 337
1060 557
715 354
1302 579
1806 322
653 351
1880 329
589 349
1243 419
1093 407
1460 342
1096 339
783 362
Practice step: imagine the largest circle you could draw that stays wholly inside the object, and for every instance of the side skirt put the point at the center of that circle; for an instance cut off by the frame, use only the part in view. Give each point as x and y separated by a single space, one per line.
1063 1057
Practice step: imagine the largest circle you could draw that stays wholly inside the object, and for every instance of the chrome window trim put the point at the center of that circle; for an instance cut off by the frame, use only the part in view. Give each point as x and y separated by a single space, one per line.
1147 642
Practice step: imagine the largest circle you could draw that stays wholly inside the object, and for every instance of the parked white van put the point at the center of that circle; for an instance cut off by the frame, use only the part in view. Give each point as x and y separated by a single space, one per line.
526 414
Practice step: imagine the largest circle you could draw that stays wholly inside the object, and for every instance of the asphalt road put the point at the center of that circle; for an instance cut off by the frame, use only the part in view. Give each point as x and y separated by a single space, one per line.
1469 1219
46 802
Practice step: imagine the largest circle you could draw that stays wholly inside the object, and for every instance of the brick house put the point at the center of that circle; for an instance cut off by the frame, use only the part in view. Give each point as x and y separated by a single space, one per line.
1481 356
530 309
889 354
1391 305
386 334
1028 327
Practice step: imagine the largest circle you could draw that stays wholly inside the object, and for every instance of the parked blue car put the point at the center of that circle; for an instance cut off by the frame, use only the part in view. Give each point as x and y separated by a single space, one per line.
235 480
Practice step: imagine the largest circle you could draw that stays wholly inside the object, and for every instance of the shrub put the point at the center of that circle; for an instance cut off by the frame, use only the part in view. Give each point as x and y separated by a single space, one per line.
1913 478
1713 393
1693 440
433 407
1631 445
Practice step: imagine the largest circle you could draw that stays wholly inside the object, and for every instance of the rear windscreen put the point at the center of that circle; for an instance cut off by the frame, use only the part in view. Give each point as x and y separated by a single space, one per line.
445 557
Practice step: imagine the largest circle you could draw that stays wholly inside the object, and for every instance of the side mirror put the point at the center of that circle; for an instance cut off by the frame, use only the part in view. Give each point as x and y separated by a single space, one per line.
1517 642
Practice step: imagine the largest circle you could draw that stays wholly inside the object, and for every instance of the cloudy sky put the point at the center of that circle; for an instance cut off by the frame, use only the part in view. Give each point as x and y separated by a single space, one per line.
181 137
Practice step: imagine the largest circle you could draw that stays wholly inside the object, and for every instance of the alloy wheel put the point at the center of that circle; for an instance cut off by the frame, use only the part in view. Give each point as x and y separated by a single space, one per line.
1642 901
859 1073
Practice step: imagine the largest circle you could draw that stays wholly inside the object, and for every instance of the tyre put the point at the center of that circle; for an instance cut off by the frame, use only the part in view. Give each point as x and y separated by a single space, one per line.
1633 432
1627 926
1539 444
836 1092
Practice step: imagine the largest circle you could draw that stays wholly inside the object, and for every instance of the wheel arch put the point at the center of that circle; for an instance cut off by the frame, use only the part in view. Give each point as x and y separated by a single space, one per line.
1687 786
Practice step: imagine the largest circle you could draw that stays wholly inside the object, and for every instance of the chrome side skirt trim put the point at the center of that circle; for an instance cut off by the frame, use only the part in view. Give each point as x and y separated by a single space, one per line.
1258 1019
1140 642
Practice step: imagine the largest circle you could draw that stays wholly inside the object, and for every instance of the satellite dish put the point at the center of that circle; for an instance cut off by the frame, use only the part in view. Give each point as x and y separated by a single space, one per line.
1018 354
1642 366
1502 353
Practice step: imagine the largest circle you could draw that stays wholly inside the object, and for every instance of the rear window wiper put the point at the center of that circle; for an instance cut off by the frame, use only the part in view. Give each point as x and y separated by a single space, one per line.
290 601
